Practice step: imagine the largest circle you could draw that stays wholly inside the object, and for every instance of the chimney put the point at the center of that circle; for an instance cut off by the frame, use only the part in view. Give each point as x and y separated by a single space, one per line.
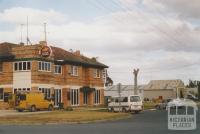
43 43
77 53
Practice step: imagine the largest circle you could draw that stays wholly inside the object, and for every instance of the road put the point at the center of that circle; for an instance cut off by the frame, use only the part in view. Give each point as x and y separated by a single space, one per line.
147 122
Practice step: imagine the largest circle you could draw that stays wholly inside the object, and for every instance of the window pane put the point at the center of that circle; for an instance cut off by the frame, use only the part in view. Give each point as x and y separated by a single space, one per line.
16 66
49 67
190 110
1 93
46 66
24 66
43 66
59 69
28 65
40 66
20 65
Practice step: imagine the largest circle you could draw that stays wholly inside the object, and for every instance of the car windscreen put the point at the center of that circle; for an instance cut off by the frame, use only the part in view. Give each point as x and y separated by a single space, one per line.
134 99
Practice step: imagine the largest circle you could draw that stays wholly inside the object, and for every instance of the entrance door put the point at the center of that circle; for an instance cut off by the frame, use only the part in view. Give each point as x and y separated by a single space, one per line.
85 98
58 96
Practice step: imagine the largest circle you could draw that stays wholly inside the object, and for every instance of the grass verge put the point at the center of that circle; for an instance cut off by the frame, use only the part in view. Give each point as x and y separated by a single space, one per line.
61 117
149 105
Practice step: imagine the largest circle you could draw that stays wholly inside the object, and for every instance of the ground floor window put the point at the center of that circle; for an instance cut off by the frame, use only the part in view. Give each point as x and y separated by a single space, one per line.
22 90
74 97
1 93
46 91
57 97
97 97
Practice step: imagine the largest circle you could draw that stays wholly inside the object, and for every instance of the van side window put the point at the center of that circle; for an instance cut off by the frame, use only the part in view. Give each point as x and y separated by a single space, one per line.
125 99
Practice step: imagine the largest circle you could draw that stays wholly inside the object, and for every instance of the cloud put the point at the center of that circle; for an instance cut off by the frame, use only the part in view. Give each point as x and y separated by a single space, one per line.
184 8
18 15
161 48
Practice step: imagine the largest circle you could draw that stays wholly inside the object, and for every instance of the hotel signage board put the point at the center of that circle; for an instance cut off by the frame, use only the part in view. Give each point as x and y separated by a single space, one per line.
45 51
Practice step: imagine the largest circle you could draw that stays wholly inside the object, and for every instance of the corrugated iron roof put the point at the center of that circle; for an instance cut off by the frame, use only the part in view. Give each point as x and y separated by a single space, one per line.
164 84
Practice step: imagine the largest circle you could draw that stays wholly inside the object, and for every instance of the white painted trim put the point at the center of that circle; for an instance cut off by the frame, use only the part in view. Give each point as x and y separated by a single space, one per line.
98 88
6 86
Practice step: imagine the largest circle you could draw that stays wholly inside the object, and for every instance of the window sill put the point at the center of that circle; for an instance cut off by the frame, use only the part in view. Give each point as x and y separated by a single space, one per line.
58 73
44 71
23 71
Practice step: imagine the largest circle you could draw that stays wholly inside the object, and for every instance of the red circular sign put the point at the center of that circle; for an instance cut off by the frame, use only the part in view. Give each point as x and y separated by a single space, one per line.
45 51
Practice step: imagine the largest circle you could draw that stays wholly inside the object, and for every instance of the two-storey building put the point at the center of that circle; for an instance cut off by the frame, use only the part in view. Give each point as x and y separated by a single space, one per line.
67 77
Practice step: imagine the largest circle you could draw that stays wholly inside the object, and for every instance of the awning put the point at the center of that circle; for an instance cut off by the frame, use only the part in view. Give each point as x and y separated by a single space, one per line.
87 89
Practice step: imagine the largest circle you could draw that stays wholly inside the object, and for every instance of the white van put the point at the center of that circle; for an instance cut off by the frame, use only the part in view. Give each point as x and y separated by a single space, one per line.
132 103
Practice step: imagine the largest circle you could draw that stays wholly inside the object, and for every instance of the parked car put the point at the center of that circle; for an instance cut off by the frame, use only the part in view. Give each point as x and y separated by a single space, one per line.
163 104
191 97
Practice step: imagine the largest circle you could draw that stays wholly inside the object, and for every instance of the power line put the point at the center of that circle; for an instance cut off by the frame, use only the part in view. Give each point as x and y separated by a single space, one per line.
153 25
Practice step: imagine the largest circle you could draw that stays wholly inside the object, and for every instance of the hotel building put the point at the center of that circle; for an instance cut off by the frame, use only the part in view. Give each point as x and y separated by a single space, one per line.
67 77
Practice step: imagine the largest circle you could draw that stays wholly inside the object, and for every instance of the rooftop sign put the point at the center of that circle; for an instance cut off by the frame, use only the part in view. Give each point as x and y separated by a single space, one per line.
45 51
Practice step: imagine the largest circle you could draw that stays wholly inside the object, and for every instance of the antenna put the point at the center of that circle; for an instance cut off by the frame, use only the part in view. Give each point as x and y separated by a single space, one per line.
45 32
27 31
21 28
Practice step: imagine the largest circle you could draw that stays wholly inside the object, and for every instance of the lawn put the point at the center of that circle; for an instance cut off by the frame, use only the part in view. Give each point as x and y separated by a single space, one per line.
149 105
62 117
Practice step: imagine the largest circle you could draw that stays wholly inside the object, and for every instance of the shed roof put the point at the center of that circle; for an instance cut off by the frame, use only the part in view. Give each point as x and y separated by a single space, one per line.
164 84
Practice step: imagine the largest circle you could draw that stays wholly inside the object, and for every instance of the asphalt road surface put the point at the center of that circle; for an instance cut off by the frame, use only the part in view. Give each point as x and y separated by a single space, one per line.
147 122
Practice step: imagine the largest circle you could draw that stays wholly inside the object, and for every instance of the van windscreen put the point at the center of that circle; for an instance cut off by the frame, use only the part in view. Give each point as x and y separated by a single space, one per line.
134 98
22 97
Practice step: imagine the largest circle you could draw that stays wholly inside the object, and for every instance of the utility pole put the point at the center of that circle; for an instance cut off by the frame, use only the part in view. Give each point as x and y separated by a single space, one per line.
198 87
135 73
119 93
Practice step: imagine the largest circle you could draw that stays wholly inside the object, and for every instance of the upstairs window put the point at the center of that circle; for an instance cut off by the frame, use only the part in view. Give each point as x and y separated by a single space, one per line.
1 67
58 69
74 70
44 66
97 73
22 66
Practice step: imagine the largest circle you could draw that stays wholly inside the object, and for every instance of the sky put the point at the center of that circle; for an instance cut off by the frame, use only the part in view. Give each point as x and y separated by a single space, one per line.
160 37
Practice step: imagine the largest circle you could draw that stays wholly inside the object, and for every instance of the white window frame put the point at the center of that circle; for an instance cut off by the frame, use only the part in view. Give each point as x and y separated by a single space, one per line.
97 97
22 66
74 70
46 92
74 101
23 89
56 69
44 66
97 73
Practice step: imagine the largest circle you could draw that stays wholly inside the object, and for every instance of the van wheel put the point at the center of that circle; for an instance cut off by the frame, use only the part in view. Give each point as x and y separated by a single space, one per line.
33 108
124 110
50 108
20 110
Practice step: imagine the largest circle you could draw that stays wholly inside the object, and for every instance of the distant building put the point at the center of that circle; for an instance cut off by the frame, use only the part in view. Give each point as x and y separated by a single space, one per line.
67 77
126 90
164 89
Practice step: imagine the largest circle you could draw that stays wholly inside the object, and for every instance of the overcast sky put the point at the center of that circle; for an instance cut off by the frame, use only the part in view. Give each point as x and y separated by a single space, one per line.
161 37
